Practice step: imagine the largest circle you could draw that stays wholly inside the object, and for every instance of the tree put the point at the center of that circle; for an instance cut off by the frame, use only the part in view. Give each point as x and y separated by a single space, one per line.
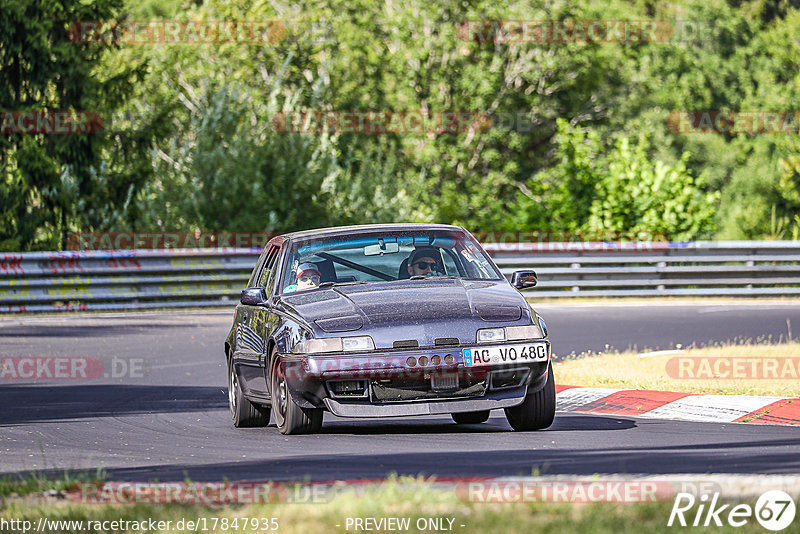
638 195
616 188
42 174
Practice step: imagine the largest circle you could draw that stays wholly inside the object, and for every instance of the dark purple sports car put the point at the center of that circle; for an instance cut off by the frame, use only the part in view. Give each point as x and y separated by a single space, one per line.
381 321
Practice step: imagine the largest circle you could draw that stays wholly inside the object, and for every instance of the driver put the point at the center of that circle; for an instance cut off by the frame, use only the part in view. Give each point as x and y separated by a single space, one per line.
424 262
308 277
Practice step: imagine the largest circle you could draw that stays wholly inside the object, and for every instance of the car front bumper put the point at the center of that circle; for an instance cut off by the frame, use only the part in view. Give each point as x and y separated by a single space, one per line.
389 386
490 401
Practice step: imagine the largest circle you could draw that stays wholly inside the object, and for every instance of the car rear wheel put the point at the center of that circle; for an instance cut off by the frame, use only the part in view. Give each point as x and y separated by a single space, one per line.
538 409
471 418
243 412
289 417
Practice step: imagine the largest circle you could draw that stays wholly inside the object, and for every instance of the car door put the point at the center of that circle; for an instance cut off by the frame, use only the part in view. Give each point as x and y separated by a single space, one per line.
250 334
268 320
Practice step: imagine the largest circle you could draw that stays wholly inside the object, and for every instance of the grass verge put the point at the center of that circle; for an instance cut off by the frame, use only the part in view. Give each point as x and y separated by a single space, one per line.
12 486
419 503
743 373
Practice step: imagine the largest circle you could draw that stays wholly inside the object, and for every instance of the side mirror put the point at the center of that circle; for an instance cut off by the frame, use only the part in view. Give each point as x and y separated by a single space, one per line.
524 279
254 296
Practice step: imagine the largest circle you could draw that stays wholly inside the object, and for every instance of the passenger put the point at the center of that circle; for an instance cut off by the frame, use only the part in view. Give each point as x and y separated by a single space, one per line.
308 277
424 262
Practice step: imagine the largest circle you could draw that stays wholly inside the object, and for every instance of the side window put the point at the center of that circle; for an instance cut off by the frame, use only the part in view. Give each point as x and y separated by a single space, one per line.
251 282
273 268
269 263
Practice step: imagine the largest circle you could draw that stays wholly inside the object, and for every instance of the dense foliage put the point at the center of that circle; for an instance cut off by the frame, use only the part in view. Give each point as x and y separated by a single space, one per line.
567 137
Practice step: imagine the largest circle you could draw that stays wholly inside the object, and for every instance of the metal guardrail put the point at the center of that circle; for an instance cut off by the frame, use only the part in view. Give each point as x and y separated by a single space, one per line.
137 279
624 269
123 279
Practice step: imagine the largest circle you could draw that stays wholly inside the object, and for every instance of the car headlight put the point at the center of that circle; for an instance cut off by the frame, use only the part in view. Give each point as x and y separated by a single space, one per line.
487 335
334 344
523 332
357 343
509 333
313 346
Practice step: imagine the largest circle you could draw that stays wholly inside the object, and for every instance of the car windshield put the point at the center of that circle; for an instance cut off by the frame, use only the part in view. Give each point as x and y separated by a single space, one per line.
360 258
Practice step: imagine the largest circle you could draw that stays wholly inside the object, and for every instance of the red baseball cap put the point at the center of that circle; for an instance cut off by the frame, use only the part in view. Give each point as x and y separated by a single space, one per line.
307 267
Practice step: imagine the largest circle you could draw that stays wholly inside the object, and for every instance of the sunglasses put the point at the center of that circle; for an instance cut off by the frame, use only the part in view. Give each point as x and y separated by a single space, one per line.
425 265
312 278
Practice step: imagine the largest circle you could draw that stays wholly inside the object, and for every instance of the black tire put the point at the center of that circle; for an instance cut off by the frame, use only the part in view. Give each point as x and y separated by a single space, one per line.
471 418
289 417
538 409
243 412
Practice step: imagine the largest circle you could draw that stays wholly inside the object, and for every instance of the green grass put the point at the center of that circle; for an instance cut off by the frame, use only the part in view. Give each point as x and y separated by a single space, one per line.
21 485
402 498
628 370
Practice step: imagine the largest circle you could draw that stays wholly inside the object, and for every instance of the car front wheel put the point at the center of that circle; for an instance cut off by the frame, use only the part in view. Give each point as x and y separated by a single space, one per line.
538 409
289 417
243 412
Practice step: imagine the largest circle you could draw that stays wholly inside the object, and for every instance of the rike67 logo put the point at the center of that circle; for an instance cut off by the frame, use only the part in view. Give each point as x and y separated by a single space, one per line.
774 510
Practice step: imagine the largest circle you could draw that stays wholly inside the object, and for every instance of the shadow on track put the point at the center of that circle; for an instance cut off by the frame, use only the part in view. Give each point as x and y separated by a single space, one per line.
344 452
40 403
497 423
323 467
84 331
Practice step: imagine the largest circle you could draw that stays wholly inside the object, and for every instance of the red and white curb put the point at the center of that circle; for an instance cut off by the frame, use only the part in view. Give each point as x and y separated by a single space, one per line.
676 405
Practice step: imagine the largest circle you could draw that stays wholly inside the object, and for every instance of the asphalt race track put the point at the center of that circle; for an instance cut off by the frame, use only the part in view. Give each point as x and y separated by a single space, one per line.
168 418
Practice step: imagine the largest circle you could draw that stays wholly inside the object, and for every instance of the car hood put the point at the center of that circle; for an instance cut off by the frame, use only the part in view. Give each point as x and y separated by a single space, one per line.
429 312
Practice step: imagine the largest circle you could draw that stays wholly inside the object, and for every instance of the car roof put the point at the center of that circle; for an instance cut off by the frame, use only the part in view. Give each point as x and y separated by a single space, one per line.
370 227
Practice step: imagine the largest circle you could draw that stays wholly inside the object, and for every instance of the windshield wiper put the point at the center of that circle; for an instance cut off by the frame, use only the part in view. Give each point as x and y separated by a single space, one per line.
423 277
332 284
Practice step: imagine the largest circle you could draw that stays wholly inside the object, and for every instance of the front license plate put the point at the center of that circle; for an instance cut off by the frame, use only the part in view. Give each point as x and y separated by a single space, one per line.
517 353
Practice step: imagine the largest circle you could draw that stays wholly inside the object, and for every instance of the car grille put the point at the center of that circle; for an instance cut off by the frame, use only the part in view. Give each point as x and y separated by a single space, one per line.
348 388
429 387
